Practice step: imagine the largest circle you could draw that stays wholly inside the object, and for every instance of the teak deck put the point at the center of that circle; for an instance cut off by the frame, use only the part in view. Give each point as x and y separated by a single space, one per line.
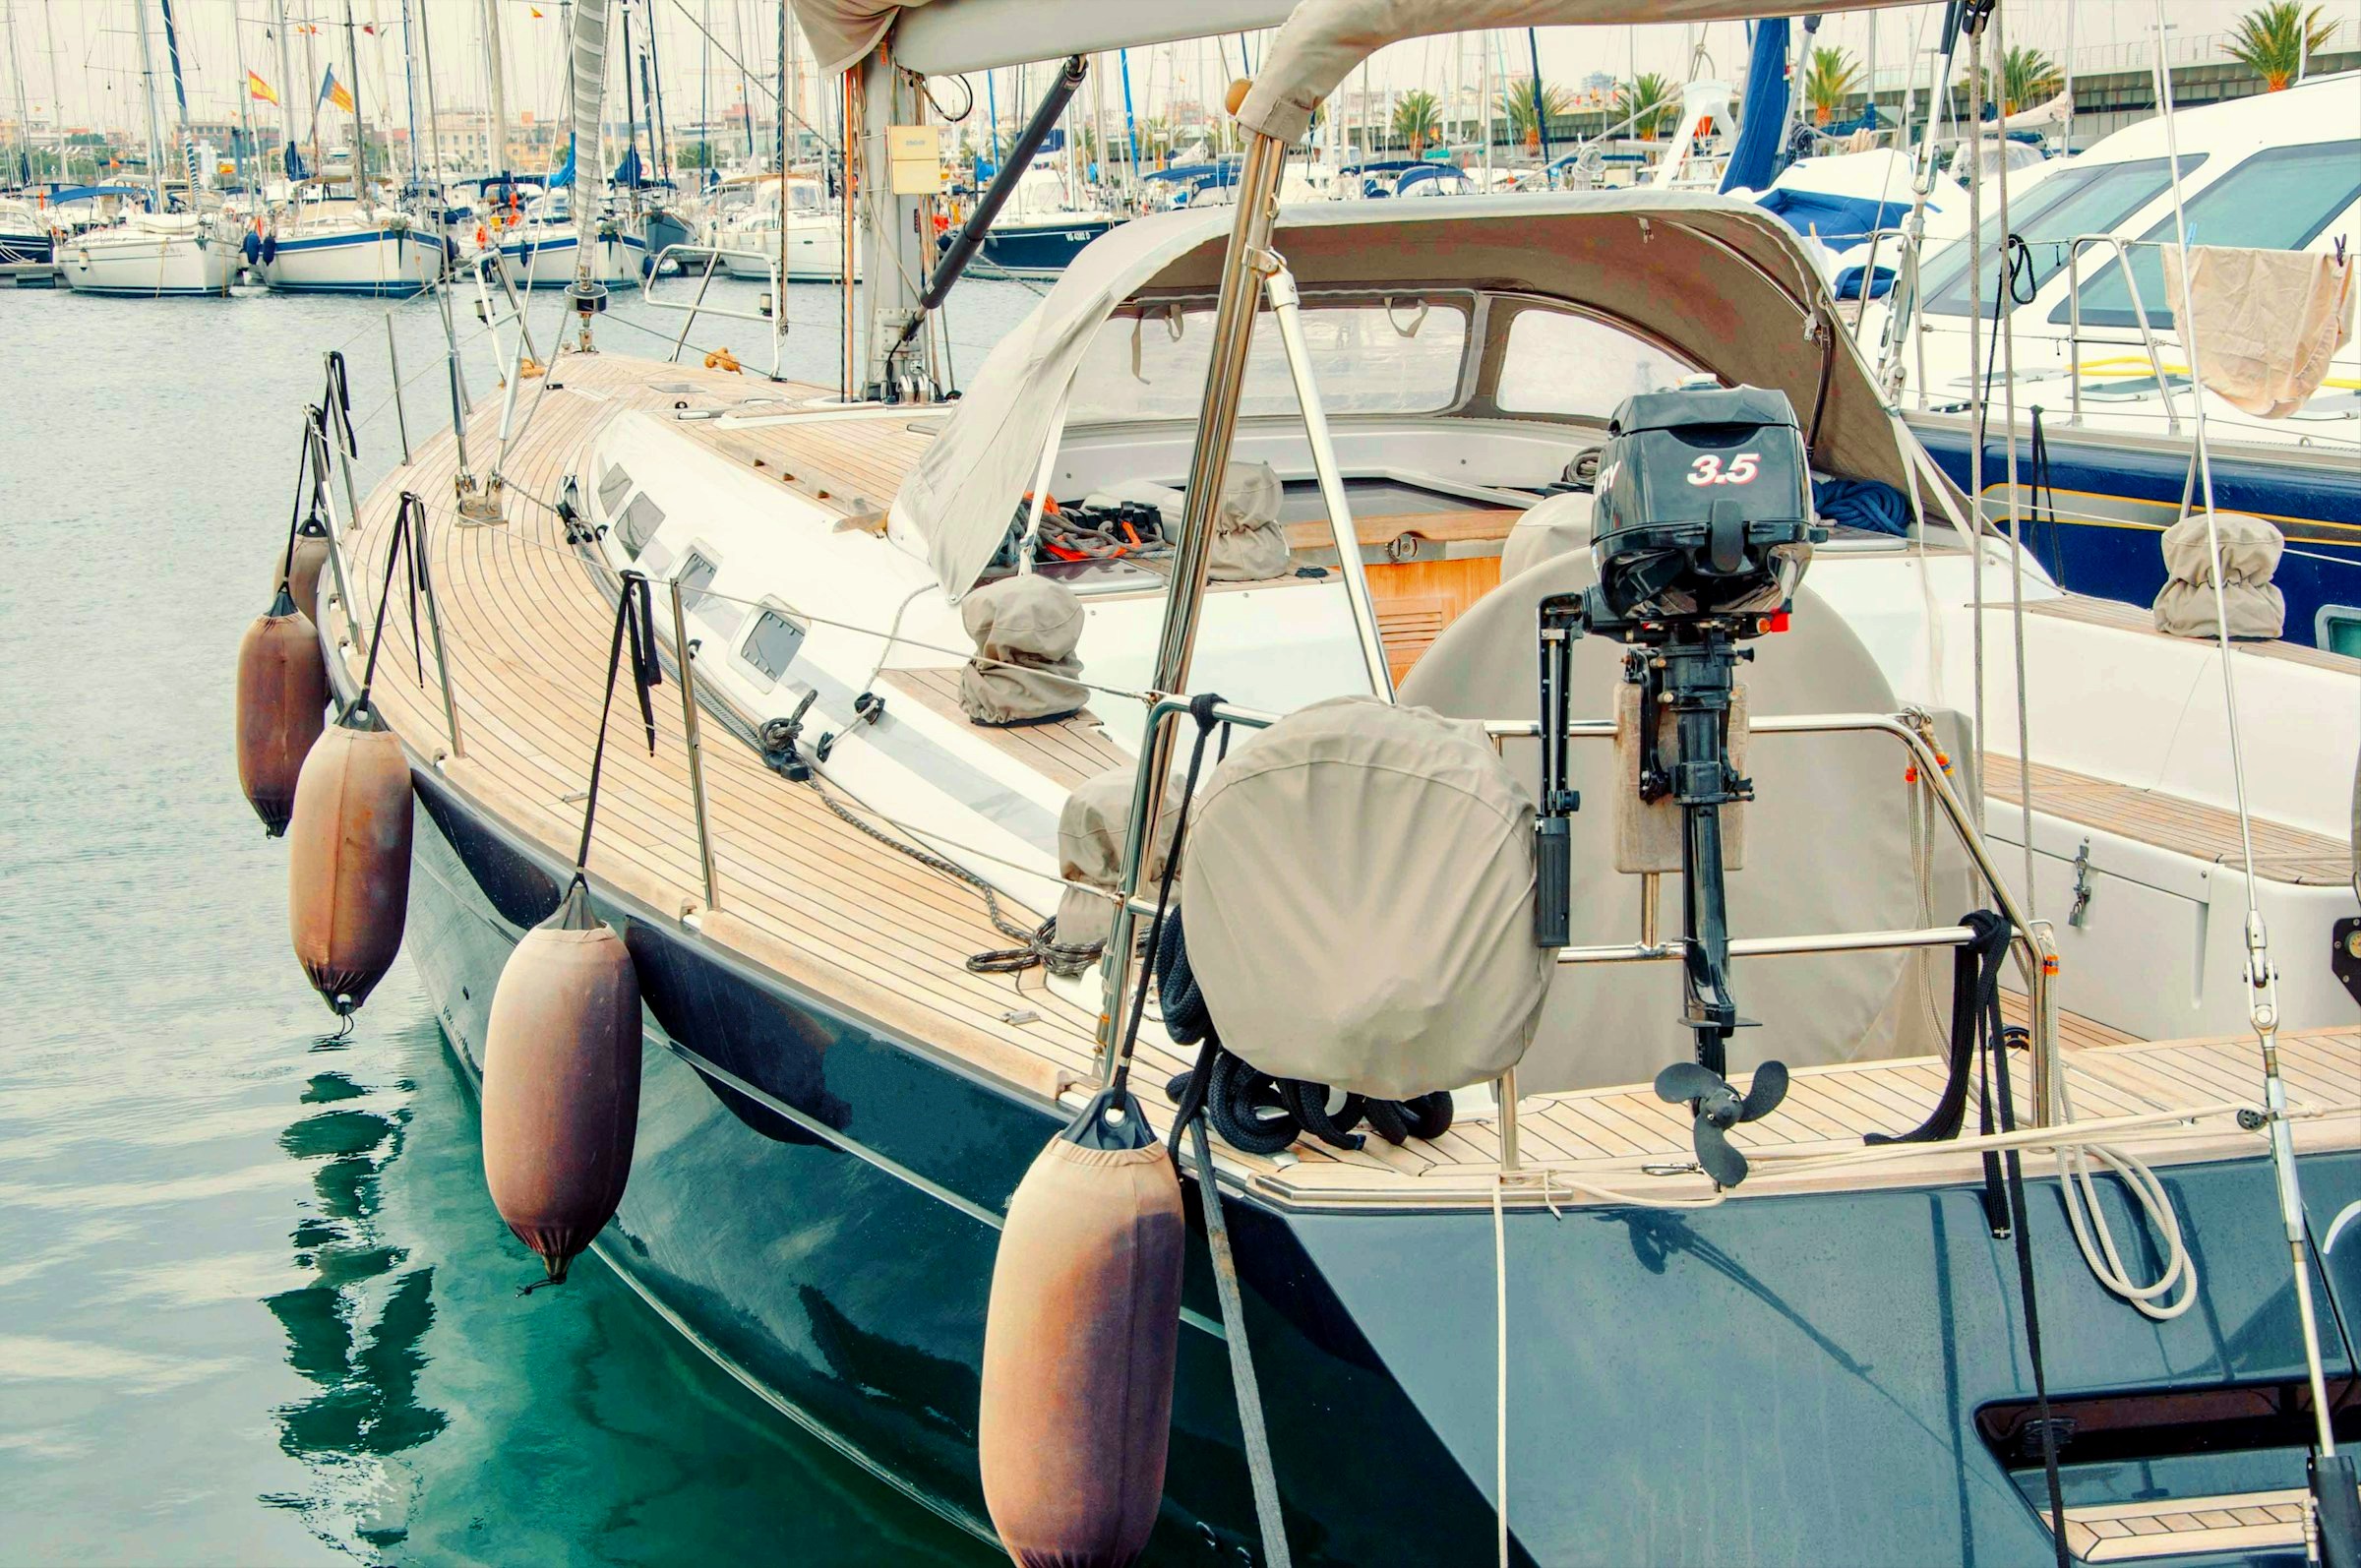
800 893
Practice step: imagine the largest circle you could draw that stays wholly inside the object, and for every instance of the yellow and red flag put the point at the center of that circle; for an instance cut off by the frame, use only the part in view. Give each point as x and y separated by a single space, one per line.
259 90
333 91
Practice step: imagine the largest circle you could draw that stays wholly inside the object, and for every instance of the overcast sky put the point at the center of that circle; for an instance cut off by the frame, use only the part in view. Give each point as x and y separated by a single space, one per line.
83 55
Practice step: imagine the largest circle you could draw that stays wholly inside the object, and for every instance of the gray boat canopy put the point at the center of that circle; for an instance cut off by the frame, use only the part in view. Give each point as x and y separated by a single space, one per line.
940 37
1324 39
1719 281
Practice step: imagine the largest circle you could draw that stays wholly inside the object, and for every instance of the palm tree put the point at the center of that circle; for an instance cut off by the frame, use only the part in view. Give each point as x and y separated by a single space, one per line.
1646 100
2274 40
1828 80
1417 120
2026 76
1516 106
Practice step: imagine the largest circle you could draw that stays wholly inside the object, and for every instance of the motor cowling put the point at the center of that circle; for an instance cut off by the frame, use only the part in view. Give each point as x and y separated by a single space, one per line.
561 1104
282 702
1704 506
349 862
1080 1344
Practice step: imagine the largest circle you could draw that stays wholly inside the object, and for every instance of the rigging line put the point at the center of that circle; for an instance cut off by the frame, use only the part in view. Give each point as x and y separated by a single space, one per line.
2004 323
761 80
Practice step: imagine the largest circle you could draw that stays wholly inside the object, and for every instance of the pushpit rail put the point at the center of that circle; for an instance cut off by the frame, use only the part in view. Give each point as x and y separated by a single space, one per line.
1912 729
772 313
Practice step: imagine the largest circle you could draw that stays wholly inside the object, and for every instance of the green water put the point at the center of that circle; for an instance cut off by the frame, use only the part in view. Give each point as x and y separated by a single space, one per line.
254 1304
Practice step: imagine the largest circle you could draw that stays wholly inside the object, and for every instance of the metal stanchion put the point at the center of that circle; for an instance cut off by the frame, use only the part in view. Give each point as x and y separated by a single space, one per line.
697 761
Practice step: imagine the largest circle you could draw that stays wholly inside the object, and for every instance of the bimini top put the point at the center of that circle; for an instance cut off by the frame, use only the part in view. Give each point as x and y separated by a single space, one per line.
940 37
1719 281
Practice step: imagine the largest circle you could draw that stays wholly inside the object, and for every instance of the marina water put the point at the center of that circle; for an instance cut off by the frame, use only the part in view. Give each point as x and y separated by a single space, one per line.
255 1304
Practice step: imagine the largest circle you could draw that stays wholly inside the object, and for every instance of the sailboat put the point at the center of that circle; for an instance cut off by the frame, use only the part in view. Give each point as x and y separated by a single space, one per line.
1920 1185
319 244
160 252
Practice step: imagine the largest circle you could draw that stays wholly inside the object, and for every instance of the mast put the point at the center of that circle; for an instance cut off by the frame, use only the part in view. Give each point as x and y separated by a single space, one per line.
1541 101
631 109
409 108
250 177
15 68
289 159
660 142
180 96
360 133
746 89
155 151
496 156
434 132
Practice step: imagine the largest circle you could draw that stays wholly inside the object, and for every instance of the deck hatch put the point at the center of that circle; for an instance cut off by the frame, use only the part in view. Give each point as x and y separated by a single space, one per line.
639 524
771 646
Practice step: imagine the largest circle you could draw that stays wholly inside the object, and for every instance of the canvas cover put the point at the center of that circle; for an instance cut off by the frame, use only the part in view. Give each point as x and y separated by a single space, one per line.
1092 828
1025 630
1829 848
1360 879
1551 527
2250 554
1247 542
1714 278
2263 325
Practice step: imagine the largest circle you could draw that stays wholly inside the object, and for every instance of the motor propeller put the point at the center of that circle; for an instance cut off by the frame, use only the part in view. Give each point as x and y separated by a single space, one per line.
1718 1108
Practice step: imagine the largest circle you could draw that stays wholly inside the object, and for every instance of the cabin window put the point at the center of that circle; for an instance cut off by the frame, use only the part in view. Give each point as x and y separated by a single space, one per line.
770 647
640 520
2278 199
1577 366
613 488
696 576
1396 357
2072 202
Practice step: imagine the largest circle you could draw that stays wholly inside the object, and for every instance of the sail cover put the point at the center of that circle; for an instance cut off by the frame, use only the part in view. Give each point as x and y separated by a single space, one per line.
590 57
1324 39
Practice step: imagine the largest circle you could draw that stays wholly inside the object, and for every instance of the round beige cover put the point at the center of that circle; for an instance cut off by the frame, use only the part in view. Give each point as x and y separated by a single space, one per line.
1828 848
1025 629
1249 544
1359 879
1092 828
2250 554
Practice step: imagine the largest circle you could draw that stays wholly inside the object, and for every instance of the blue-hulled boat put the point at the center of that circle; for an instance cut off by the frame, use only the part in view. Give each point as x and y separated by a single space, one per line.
1547 1321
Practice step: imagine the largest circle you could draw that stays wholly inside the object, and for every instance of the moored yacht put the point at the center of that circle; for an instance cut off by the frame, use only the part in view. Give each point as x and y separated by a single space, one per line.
1379 534
2101 366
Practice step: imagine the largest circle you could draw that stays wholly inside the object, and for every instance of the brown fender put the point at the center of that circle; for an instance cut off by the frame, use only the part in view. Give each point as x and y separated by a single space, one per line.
304 566
561 1082
1078 1354
348 862
283 701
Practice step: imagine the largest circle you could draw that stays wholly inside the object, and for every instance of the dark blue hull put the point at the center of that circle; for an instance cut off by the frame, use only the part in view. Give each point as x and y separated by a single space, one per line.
2137 491
1040 249
1805 1379
27 250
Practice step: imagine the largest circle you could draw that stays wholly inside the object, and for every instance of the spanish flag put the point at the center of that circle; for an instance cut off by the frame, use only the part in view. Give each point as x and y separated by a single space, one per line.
333 91
259 90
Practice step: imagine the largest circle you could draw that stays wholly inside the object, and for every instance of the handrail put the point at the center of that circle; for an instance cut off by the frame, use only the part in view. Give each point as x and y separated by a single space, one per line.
2030 943
2074 325
775 316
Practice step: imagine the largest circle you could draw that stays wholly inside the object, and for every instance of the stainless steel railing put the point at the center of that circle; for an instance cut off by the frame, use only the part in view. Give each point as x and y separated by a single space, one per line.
2030 944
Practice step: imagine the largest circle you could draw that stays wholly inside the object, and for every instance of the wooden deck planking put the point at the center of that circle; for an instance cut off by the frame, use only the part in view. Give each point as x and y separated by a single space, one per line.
2283 854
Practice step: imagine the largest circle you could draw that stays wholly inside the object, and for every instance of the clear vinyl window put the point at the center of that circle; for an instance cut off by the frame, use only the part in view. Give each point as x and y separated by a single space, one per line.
1400 356
1577 366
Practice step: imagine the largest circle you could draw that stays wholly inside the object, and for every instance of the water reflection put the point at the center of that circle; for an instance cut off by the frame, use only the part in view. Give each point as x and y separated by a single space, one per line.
357 1331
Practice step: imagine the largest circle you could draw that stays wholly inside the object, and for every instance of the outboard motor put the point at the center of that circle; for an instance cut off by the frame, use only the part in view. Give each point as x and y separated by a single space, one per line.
1702 532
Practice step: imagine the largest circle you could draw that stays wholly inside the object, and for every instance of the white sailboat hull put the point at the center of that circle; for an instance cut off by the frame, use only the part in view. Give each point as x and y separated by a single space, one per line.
547 257
379 263
139 263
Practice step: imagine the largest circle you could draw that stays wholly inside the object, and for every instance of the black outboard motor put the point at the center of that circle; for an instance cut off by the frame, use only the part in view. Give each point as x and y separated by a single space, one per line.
1703 529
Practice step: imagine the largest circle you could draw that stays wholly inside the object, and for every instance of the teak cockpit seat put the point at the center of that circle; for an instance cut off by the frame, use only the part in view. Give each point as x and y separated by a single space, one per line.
1829 849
